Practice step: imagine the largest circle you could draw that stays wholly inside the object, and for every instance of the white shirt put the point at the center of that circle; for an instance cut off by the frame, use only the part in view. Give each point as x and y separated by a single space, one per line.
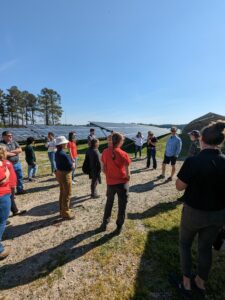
139 141
51 146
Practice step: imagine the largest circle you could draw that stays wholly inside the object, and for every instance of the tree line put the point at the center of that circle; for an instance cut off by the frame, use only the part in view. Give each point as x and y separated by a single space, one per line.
20 108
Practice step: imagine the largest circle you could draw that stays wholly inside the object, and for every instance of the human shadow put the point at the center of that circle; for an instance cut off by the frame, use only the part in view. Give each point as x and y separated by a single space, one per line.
42 264
159 259
41 188
22 229
139 170
53 207
145 187
153 211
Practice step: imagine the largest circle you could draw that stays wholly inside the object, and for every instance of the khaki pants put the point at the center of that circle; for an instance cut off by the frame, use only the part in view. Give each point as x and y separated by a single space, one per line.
65 183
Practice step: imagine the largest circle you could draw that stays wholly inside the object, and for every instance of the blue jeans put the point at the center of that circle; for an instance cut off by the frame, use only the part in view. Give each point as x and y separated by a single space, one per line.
51 156
19 175
32 171
151 153
5 205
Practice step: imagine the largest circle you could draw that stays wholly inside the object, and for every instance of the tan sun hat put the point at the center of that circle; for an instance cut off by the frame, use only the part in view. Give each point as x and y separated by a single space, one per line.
61 140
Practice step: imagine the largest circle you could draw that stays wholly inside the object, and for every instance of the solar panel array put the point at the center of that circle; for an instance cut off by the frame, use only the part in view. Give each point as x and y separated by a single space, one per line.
131 130
40 132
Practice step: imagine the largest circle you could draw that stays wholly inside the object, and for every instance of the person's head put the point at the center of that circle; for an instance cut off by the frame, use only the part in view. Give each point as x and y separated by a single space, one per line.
3 155
51 136
117 140
7 136
139 134
61 142
94 144
30 140
194 135
92 131
213 135
72 136
173 130
150 134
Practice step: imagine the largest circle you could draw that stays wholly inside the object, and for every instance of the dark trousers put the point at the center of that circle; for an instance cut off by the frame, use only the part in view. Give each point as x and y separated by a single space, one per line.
151 153
14 208
206 226
138 149
122 191
94 183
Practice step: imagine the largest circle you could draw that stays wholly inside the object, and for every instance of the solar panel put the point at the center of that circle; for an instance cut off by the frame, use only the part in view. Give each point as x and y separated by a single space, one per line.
130 130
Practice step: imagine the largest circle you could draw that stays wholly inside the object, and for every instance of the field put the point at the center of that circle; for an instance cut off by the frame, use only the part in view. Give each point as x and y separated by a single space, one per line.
72 260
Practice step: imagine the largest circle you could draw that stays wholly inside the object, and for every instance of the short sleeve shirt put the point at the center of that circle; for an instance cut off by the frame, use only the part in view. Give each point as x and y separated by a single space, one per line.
12 146
115 162
153 140
73 148
204 175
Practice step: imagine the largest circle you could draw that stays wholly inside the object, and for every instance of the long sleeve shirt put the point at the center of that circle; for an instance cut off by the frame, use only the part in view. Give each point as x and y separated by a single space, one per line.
63 161
173 146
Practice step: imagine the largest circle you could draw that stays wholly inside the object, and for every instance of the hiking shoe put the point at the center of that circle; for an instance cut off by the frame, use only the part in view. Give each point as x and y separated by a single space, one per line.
5 252
161 177
8 222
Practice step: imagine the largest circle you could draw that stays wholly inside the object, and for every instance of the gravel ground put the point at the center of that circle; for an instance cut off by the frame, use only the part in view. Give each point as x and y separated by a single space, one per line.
40 242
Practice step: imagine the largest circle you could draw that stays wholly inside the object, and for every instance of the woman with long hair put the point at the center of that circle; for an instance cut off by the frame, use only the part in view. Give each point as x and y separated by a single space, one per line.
202 177
116 164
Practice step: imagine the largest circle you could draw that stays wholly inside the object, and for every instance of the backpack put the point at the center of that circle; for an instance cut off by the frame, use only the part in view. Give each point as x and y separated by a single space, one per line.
86 165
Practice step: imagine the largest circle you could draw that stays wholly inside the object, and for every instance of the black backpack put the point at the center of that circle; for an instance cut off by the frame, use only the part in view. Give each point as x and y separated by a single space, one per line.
86 165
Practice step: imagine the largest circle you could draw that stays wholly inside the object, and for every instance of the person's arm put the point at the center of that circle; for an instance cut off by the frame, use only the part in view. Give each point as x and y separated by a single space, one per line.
180 185
16 151
128 172
179 147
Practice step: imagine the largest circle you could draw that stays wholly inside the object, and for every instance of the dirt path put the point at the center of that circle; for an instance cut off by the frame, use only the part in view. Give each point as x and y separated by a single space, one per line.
40 243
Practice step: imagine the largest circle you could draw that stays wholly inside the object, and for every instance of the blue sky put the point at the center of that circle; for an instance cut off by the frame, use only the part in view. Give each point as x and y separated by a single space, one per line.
160 61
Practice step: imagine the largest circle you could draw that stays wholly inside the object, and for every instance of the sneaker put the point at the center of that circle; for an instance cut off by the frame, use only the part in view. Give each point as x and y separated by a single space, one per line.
5 252
19 213
21 192
73 182
161 177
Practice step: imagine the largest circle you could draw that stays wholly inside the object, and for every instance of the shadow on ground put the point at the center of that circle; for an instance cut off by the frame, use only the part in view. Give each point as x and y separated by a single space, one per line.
42 264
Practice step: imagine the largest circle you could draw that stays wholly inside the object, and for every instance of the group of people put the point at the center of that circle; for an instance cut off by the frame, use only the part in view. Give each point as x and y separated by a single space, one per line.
201 177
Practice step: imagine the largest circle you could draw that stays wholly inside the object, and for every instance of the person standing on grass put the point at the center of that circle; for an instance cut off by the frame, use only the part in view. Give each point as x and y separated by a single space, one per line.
64 170
139 141
202 177
5 203
30 158
12 182
151 150
51 151
194 147
116 166
72 148
173 149
13 151
94 157
91 136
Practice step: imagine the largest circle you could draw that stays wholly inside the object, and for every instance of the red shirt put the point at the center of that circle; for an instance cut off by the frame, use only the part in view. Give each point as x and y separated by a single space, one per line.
115 170
4 187
12 177
73 149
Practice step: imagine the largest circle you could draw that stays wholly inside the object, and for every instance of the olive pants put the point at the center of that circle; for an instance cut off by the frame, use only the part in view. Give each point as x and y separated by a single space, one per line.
64 179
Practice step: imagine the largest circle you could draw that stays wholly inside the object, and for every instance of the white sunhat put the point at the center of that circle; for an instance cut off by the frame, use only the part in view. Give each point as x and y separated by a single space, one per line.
60 140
